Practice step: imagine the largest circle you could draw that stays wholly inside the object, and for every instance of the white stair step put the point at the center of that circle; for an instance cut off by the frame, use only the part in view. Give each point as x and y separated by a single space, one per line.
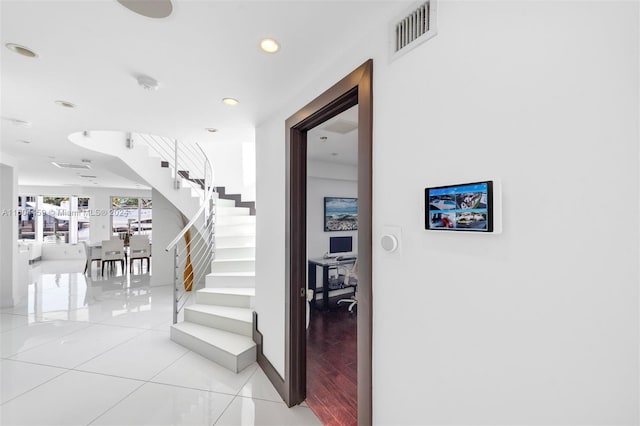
232 211
232 351
235 253
236 230
234 220
231 279
233 265
223 202
234 241
238 297
228 318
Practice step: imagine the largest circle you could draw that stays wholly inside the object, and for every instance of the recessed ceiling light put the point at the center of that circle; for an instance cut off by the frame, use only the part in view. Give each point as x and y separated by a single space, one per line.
21 50
23 141
230 101
269 45
211 129
51 156
66 104
323 138
335 154
149 8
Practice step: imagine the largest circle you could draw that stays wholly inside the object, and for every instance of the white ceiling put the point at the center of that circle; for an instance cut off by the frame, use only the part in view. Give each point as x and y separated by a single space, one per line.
91 51
338 147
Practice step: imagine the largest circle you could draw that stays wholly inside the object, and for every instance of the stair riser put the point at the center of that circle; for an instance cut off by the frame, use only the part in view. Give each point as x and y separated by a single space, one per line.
221 202
235 300
235 241
235 220
236 230
232 211
233 282
225 359
219 322
235 253
221 265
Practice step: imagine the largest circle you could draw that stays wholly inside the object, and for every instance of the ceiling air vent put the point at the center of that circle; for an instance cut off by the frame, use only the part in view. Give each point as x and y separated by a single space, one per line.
416 26
70 165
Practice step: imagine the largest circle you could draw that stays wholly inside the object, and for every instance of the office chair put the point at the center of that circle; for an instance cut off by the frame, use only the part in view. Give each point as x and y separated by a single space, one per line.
351 278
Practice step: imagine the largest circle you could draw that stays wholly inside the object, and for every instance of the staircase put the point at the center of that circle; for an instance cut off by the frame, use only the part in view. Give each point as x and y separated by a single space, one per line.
219 237
219 325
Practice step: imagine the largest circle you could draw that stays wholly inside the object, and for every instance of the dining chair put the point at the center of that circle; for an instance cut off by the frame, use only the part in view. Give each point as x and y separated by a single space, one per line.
112 252
139 248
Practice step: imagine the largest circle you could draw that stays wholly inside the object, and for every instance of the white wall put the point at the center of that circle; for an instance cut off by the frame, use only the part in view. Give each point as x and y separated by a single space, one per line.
233 160
537 325
99 203
167 223
317 189
11 291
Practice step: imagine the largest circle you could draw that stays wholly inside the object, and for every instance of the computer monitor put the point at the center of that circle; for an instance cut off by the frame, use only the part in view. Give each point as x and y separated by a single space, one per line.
340 244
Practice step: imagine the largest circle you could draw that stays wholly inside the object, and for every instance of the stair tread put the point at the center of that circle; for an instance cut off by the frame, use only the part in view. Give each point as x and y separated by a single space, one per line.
244 291
232 343
236 259
232 312
233 274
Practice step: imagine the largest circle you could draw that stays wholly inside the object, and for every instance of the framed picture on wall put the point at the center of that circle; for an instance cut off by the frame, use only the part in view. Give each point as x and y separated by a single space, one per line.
340 214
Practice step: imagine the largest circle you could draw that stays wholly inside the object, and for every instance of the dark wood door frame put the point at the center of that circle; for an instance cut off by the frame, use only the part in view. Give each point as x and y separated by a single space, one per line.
355 89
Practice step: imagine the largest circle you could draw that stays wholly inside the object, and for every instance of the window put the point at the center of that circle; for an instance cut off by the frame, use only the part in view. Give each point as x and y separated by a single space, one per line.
131 215
55 213
26 217
84 217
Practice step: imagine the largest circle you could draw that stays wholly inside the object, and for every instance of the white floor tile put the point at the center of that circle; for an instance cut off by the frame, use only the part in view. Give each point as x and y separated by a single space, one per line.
260 387
10 321
247 411
74 398
24 338
194 371
142 357
145 317
76 348
18 377
155 404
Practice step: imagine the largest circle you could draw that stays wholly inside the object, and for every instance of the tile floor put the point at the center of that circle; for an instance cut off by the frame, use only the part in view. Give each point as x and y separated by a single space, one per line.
92 350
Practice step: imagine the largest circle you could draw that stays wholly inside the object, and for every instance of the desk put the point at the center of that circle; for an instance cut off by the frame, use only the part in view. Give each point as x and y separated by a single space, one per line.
325 264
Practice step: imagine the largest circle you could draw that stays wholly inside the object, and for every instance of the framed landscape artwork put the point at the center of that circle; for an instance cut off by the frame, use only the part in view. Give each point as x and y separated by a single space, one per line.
340 214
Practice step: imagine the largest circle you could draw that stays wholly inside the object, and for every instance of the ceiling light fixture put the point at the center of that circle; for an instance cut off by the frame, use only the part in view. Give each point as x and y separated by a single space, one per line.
65 104
335 154
269 45
230 101
147 83
323 138
211 129
150 8
21 50
23 141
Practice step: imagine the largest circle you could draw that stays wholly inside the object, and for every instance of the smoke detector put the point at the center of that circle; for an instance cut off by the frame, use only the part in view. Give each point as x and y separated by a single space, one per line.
147 82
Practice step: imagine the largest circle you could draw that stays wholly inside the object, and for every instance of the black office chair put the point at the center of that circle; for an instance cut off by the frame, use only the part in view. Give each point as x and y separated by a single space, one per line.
350 279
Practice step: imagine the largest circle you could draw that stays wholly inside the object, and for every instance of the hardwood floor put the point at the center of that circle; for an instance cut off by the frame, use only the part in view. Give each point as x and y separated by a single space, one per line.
332 366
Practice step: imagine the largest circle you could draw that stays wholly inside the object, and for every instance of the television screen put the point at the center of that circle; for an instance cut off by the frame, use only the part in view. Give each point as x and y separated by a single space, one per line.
340 244
340 214
464 207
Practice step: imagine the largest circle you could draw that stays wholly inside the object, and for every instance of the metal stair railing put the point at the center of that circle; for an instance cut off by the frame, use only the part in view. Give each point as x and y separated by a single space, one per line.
194 247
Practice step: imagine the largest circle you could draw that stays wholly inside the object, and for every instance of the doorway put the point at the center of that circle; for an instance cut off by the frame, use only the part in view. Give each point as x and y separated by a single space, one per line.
354 89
